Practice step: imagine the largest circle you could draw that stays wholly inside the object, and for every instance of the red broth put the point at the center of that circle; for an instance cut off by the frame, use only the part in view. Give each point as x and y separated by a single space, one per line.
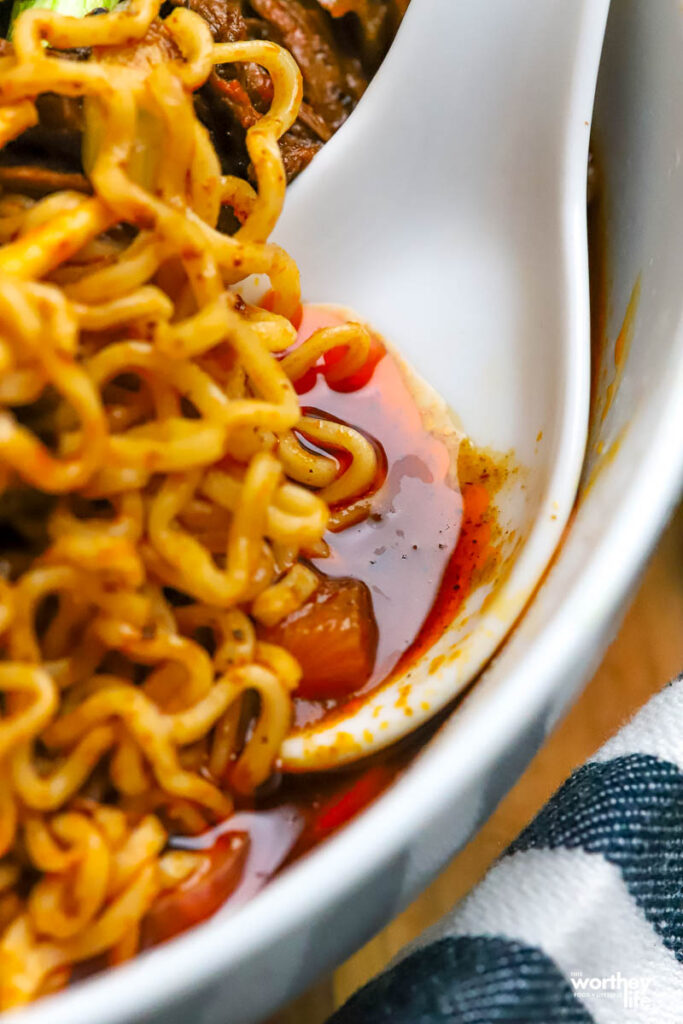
402 550
420 552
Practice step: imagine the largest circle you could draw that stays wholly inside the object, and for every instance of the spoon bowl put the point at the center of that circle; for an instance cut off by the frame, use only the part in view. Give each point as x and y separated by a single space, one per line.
450 213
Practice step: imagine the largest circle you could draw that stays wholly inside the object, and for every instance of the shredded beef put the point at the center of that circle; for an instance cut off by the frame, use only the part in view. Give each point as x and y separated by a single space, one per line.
333 81
338 45
376 24
337 48
224 18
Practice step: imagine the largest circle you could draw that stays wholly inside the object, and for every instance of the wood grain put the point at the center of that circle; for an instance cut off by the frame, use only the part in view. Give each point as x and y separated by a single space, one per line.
647 652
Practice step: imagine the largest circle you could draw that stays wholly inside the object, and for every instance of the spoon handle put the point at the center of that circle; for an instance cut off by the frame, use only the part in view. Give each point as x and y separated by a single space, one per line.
416 163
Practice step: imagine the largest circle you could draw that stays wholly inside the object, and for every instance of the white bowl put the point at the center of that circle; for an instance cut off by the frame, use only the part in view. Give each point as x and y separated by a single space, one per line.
327 905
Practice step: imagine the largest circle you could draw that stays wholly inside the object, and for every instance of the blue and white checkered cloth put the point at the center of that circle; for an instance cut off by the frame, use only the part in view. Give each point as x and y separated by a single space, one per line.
581 920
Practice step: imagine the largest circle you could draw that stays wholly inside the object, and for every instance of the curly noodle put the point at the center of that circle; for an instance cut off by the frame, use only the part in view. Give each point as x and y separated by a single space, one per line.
147 401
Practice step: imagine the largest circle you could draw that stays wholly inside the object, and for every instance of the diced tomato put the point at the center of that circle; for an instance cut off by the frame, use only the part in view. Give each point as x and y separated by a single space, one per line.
307 381
234 90
201 895
354 382
341 809
333 636
361 377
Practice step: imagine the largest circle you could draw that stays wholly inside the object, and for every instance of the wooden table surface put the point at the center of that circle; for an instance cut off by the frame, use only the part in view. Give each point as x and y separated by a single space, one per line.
646 653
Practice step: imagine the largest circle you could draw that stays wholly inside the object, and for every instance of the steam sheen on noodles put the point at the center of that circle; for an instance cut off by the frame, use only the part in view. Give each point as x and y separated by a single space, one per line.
141 393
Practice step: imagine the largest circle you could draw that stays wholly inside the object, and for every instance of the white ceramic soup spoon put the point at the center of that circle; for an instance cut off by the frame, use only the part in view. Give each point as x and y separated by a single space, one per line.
450 213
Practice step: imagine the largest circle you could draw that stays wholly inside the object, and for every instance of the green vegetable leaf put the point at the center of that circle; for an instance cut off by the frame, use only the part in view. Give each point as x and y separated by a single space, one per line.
72 8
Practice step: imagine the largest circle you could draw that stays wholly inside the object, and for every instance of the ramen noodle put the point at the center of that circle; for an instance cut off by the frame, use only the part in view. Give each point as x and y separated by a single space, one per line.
151 460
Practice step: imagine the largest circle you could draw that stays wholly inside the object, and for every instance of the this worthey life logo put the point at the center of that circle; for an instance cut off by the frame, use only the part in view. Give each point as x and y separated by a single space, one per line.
633 991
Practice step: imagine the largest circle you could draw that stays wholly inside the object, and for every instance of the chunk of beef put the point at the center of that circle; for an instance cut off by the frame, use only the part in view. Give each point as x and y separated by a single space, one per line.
375 23
224 18
333 80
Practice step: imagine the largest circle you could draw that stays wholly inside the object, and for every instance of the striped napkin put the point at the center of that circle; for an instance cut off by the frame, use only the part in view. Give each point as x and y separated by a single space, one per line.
581 920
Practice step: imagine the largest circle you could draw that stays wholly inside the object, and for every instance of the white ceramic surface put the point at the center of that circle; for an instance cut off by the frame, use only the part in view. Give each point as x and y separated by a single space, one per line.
239 970
449 212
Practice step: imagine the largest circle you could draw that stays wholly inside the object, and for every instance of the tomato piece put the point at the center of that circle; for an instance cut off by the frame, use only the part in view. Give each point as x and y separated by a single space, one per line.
342 808
354 382
362 376
201 894
333 636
